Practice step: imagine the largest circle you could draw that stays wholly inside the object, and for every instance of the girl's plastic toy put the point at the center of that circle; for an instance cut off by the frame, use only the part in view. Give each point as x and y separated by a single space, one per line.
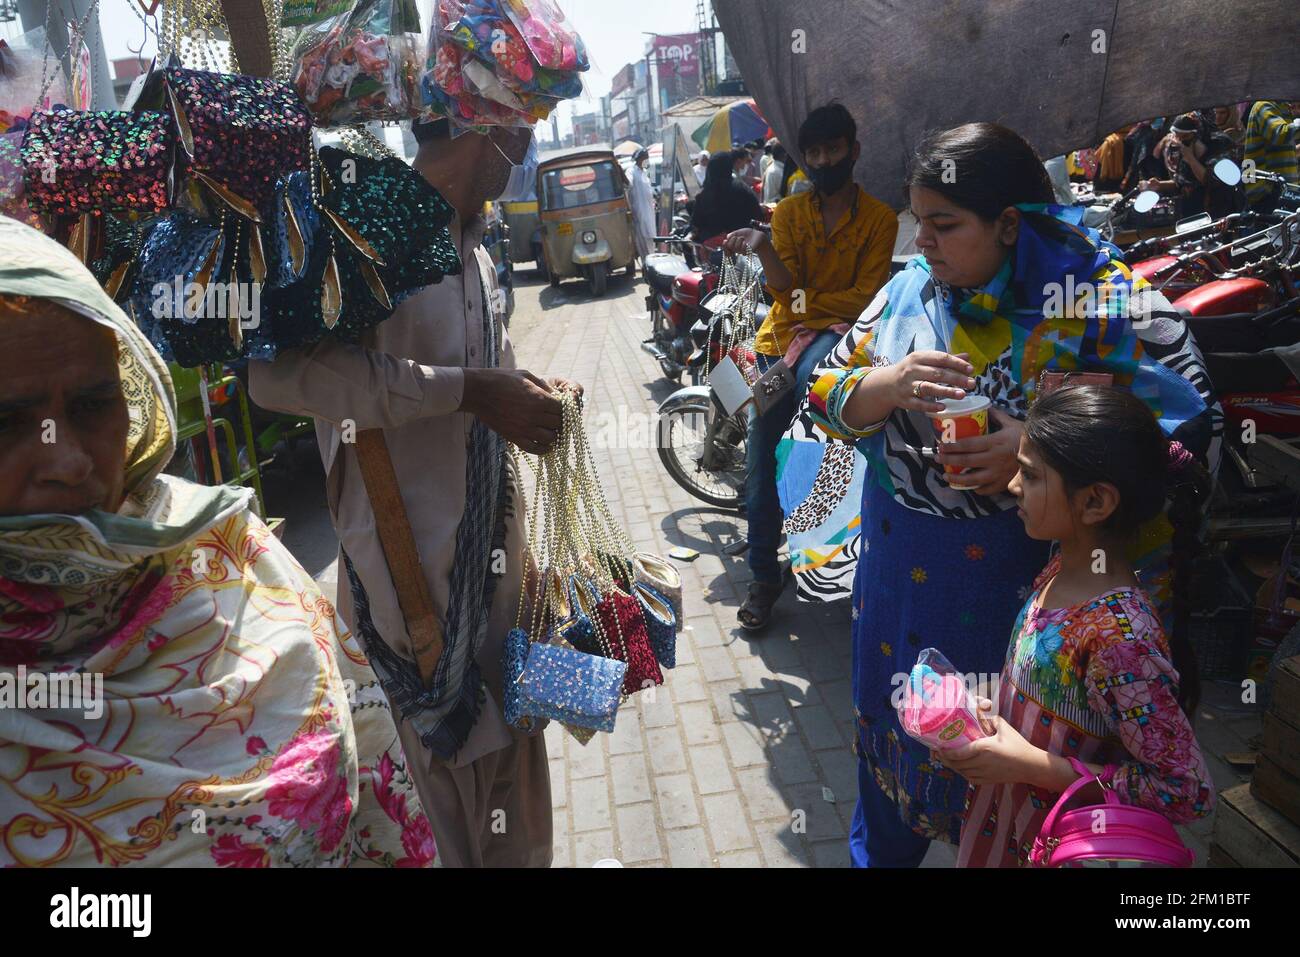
937 708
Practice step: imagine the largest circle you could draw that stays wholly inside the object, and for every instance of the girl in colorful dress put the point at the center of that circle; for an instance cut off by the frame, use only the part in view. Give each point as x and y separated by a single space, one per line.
1007 288
1089 674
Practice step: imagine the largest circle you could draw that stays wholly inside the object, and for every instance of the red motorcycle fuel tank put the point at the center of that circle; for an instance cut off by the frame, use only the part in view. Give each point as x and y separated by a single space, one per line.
686 287
1226 296
1147 268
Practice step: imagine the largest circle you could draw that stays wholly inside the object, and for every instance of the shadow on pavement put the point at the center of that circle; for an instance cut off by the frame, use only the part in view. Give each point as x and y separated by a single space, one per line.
576 292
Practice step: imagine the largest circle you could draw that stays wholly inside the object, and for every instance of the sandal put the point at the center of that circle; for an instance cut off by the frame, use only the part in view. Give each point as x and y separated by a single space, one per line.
756 613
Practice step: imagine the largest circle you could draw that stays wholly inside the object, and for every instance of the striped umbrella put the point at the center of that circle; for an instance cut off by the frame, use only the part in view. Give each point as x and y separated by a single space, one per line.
734 124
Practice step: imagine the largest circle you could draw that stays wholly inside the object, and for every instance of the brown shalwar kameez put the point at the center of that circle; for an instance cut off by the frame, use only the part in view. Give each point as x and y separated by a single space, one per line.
491 805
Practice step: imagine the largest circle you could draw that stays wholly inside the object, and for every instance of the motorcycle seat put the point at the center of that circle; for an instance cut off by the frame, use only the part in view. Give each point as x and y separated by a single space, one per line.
1234 372
662 268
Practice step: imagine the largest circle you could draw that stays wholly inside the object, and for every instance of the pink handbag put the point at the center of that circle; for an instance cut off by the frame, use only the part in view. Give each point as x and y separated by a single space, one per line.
1106 832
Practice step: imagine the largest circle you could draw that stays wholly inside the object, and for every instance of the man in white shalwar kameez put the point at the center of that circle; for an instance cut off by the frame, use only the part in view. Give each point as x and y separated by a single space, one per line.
642 198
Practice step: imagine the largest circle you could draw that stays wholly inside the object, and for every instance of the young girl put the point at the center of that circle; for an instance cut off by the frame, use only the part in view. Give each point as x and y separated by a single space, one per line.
1089 673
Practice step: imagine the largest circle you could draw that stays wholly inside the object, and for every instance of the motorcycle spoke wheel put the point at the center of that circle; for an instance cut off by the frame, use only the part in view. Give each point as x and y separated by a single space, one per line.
682 438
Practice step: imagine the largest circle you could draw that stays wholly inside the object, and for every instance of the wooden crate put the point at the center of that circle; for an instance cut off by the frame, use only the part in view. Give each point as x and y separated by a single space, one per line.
1281 742
1276 787
1248 830
1286 692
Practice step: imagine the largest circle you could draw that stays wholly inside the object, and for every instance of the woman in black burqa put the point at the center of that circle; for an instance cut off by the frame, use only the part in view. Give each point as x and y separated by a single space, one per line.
723 204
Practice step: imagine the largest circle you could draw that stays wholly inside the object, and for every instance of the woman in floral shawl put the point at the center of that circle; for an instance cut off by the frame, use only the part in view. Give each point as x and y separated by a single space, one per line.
228 718
1008 288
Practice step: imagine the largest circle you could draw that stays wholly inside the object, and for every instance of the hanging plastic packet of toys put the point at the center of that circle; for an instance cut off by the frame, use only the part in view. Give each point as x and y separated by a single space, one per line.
936 706
554 44
359 60
460 68
481 71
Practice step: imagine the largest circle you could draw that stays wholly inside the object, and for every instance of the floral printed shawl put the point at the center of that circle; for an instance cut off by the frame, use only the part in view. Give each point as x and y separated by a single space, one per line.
239 724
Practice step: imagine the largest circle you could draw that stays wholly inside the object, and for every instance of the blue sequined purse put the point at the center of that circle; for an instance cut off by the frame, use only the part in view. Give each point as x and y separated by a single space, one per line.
660 623
513 655
575 625
571 686
187 296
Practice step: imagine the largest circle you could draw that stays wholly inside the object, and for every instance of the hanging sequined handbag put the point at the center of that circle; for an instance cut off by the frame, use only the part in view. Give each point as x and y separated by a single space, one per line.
187 296
387 229
78 162
238 134
623 623
650 569
514 652
575 623
660 624
571 686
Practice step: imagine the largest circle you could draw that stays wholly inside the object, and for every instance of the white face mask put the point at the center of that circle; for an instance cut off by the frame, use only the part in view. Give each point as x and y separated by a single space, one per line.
523 175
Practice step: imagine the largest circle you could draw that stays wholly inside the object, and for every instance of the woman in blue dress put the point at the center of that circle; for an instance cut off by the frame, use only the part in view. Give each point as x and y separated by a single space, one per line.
1008 287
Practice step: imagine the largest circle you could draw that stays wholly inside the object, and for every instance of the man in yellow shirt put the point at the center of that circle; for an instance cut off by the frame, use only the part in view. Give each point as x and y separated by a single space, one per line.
828 256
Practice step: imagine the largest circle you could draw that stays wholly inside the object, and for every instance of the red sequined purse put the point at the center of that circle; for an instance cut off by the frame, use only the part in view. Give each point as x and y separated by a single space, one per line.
78 162
623 623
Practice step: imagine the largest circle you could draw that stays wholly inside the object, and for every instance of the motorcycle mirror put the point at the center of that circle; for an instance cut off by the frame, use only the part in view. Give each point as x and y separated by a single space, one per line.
1146 201
1227 172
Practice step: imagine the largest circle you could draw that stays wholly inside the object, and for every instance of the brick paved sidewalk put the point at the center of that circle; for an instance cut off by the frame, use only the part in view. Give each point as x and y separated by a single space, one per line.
743 757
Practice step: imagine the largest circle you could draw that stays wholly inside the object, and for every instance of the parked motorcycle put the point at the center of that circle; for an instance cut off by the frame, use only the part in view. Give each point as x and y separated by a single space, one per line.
701 446
678 281
1246 321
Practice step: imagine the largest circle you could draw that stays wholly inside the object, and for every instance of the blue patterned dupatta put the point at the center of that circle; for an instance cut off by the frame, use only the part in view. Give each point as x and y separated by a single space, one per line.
1063 301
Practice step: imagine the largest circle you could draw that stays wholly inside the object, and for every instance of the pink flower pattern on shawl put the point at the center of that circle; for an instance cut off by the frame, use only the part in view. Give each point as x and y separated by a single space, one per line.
229 850
417 837
146 612
307 787
35 618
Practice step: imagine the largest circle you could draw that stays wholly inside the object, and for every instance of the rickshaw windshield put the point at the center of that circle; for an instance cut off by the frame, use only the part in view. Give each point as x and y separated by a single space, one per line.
572 186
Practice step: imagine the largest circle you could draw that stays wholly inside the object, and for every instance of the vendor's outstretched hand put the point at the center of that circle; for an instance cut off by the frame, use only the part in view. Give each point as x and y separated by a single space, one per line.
515 404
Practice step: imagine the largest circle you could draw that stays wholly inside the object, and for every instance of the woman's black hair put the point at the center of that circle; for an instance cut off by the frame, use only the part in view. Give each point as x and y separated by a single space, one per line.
982 167
1093 434
826 124
718 174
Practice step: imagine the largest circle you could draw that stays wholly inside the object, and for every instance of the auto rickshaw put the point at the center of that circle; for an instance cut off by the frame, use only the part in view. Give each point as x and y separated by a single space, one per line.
586 218
525 231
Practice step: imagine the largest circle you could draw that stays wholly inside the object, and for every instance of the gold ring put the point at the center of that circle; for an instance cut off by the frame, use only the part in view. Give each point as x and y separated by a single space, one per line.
916 389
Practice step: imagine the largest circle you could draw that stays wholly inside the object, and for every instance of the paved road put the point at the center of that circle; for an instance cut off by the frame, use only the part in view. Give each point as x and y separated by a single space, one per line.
743 757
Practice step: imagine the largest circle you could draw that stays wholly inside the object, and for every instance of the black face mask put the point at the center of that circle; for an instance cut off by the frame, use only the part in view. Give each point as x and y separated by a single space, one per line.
829 179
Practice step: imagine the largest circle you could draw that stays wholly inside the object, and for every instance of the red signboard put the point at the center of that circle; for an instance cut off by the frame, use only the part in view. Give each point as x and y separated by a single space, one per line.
677 54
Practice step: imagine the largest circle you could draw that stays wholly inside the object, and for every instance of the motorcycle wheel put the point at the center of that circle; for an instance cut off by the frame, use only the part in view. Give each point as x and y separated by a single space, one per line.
681 436
599 279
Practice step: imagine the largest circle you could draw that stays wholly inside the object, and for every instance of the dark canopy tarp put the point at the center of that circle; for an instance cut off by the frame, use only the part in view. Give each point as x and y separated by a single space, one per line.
906 66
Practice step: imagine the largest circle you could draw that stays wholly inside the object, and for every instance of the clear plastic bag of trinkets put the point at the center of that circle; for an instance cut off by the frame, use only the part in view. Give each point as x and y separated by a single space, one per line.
360 61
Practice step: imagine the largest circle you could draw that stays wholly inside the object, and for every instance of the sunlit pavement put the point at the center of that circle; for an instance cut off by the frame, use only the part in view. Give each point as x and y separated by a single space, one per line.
743 757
